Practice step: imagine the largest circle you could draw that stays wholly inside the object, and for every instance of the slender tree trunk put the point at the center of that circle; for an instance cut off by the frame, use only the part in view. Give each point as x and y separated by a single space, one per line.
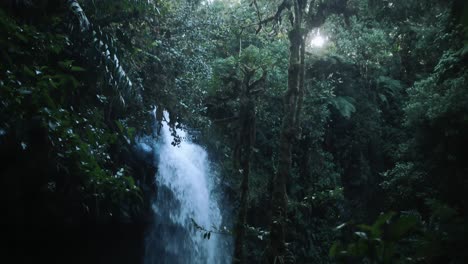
276 249
247 121
242 156
239 251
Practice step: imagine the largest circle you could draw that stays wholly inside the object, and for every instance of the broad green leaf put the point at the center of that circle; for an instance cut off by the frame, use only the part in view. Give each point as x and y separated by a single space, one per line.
402 226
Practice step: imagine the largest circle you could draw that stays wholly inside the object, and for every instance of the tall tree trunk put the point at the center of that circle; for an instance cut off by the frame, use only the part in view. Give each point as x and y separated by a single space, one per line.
247 124
242 155
276 251
239 250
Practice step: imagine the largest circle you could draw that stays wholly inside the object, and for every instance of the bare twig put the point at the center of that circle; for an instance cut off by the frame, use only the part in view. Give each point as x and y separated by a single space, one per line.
214 231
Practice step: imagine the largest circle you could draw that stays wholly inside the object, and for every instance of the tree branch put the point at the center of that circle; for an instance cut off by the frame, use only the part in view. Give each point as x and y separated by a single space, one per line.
226 120
256 9
276 17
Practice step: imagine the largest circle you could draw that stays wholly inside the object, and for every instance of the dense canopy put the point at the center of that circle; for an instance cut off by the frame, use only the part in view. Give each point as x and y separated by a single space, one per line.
234 131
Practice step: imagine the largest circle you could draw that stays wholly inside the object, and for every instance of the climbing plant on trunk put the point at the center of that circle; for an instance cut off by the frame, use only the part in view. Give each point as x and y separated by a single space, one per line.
303 15
243 152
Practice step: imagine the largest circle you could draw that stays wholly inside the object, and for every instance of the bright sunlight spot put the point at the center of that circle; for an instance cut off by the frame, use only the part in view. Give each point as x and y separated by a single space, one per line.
316 40
229 2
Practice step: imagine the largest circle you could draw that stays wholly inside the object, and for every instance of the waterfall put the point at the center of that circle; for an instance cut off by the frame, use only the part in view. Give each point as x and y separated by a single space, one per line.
185 187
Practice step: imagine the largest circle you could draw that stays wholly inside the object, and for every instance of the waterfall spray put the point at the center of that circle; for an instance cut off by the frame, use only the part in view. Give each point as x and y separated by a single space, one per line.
185 186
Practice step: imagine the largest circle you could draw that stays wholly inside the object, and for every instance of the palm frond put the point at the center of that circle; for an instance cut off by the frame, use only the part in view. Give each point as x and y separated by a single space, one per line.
105 55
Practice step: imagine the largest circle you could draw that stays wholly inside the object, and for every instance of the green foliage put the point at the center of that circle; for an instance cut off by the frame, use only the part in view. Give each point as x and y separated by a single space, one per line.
381 242
344 105
404 182
383 126
42 86
405 238
428 165
442 93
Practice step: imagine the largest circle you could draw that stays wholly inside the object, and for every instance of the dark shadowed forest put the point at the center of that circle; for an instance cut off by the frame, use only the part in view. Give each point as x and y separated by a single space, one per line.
234 131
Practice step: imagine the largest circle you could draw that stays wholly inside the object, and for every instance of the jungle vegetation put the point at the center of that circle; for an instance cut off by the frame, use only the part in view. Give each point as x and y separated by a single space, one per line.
340 127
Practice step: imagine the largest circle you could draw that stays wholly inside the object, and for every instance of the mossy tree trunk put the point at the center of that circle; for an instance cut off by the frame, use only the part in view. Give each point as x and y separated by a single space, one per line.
243 153
304 15
276 251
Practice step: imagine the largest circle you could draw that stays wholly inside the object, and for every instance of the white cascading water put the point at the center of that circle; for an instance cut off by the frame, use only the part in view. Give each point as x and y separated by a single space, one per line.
184 192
